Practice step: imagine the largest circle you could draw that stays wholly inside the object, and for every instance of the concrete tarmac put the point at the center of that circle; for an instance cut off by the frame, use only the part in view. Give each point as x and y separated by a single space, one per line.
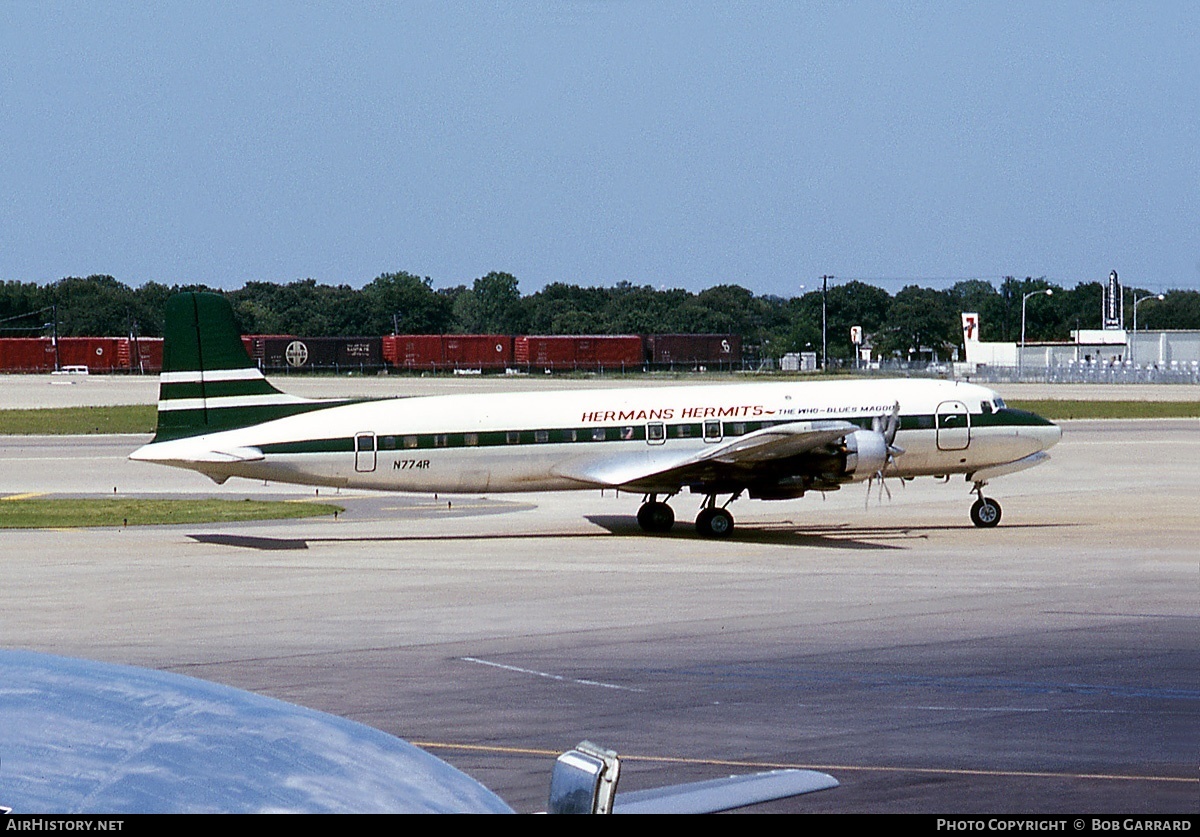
1048 665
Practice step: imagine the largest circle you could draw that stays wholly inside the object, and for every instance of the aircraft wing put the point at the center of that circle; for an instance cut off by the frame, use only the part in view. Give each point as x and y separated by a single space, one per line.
723 794
659 467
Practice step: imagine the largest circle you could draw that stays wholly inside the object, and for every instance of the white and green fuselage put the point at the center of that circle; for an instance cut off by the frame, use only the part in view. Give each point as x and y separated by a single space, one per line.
218 415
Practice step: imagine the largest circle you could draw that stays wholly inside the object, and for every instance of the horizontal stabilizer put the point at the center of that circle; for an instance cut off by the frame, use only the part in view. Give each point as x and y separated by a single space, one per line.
177 453
231 455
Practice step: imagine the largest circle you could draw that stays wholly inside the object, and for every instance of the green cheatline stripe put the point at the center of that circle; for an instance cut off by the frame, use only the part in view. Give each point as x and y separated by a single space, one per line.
577 435
214 389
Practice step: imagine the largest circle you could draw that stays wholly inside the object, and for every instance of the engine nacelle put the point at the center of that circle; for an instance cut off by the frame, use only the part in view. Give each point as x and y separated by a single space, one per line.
866 454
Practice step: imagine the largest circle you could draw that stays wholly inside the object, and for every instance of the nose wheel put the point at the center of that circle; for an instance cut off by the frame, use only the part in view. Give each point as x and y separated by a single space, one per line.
655 517
985 512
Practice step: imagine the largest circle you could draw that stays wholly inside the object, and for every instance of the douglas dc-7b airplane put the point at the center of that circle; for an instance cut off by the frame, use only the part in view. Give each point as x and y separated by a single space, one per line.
218 415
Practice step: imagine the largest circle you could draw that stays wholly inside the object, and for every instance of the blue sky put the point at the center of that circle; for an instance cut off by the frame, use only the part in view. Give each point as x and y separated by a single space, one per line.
670 144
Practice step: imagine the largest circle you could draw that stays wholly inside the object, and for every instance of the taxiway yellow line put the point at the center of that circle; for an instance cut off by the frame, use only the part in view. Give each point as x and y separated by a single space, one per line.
831 768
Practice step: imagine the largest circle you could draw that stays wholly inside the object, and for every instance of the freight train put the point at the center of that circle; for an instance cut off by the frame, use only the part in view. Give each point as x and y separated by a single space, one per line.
402 352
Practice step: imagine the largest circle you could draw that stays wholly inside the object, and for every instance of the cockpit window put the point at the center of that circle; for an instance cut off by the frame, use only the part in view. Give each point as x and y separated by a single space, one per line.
986 406
999 403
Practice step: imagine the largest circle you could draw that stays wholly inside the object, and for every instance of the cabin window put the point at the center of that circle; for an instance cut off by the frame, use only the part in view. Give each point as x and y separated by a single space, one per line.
712 431
410 441
570 436
388 442
656 432
626 433
513 437
598 434
738 428
471 439
441 440
541 436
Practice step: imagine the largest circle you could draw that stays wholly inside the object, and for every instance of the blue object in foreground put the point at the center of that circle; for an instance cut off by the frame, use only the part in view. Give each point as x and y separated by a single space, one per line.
87 737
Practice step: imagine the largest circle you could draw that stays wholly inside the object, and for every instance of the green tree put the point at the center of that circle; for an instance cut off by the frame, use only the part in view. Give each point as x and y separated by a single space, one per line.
500 309
93 306
404 301
919 317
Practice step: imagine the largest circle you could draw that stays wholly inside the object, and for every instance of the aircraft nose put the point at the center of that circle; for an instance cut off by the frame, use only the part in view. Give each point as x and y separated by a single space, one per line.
1046 432
1042 432
1050 435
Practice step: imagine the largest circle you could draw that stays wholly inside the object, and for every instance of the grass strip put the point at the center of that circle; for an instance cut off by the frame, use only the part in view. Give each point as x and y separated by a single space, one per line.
54 513
1056 410
130 418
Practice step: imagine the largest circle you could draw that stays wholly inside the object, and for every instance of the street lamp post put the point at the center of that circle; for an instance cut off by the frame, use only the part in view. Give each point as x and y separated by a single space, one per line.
1138 300
824 340
1021 356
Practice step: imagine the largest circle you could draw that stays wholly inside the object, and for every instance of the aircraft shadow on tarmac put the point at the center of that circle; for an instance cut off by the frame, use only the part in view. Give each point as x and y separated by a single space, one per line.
776 534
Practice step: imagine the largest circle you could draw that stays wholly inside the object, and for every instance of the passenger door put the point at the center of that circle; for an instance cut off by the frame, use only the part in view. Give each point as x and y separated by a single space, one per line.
364 452
953 426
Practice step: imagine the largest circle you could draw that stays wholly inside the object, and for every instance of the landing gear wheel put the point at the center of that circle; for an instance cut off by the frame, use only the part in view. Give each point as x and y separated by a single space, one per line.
985 513
714 523
655 517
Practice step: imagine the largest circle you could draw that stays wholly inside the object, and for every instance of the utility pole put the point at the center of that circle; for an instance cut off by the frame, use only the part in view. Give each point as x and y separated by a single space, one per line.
57 356
824 325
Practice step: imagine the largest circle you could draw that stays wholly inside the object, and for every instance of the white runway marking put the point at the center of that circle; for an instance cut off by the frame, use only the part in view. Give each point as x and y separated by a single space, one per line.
549 676
1012 709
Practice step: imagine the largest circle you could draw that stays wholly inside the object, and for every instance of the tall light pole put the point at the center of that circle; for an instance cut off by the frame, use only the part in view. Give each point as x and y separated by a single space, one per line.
824 340
1138 300
1021 356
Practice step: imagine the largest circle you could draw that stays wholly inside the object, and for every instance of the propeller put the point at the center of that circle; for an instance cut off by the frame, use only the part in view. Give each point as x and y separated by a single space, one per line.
886 426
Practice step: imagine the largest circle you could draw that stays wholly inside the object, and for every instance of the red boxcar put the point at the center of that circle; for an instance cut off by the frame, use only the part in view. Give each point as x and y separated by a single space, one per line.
98 354
147 354
414 351
691 350
442 352
477 351
26 354
594 352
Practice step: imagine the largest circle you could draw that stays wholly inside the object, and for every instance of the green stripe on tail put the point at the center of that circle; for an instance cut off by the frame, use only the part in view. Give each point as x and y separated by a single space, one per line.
209 383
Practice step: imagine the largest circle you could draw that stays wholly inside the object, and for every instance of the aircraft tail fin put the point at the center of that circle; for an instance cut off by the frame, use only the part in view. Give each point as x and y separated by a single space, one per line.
208 382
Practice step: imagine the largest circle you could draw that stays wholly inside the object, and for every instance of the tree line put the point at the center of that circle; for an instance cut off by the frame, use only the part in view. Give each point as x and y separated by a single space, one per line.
896 324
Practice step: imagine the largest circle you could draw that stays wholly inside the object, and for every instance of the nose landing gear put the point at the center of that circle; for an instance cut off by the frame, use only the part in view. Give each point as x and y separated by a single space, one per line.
985 512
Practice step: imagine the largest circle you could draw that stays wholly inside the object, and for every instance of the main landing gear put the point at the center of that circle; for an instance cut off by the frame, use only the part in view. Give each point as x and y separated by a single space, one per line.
654 516
985 512
712 521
